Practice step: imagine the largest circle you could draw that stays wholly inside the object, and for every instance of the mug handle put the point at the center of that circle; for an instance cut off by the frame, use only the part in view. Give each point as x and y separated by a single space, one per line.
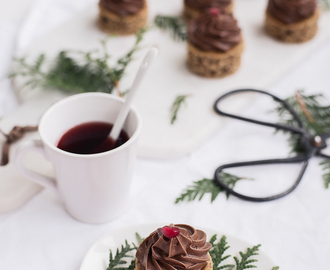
37 146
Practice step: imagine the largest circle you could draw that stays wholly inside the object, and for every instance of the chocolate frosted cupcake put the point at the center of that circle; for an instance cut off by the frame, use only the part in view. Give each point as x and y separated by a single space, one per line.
292 21
195 8
215 44
174 247
122 17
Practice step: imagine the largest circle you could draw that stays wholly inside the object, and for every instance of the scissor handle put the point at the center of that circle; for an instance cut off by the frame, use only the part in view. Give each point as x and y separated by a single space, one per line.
297 159
299 130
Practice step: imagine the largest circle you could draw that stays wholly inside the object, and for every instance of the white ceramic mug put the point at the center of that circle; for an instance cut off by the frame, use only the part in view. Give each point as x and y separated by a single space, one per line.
94 188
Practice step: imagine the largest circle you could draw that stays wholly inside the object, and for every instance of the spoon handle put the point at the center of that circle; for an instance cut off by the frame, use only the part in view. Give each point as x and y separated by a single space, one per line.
118 125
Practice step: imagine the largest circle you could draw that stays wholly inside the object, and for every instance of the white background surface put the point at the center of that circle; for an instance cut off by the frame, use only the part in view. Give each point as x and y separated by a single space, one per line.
293 231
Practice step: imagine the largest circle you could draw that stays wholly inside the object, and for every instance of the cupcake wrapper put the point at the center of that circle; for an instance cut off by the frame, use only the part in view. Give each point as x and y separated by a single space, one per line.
292 33
111 23
214 64
191 13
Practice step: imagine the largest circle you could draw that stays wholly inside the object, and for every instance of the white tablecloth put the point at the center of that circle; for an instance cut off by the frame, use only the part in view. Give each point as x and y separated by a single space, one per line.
294 231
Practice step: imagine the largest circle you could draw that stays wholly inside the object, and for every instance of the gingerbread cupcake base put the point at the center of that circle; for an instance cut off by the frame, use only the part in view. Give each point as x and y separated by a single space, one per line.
209 265
214 64
111 23
292 33
191 13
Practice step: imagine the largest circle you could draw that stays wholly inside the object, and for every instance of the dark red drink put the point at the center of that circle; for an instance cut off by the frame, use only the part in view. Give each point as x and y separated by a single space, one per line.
90 138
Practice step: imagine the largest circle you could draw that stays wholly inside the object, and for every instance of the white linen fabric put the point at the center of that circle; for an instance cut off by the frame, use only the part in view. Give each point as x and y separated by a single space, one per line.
294 231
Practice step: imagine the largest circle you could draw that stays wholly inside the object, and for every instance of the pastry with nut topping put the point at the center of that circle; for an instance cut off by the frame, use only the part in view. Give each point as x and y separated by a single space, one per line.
174 247
122 17
292 21
215 44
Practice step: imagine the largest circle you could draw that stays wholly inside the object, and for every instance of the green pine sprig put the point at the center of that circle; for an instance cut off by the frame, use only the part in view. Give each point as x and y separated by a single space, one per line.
208 186
217 253
131 265
315 115
246 262
76 71
311 109
325 4
120 258
230 180
123 62
139 238
199 189
275 268
177 104
175 25
326 175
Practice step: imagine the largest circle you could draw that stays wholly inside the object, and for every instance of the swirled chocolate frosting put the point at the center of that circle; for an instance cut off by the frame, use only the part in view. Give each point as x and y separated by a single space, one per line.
123 7
214 32
291 11
188 250
206 4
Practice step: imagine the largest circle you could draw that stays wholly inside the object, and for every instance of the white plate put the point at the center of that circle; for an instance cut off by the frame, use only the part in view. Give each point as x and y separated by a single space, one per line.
97 258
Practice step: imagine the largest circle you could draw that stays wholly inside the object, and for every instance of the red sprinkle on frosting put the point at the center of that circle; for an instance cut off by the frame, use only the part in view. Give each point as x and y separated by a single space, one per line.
214 11
170 232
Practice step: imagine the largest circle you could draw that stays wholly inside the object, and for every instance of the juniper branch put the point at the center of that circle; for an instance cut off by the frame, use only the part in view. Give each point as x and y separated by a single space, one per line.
139 238
208 186
217 253
326 176
175 25
123 62
177 104
245 261
76 71
315 115
200 188
119 258
325 4
317 110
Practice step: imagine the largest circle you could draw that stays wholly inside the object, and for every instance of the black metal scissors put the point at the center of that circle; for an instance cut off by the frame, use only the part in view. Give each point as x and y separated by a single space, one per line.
311 145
